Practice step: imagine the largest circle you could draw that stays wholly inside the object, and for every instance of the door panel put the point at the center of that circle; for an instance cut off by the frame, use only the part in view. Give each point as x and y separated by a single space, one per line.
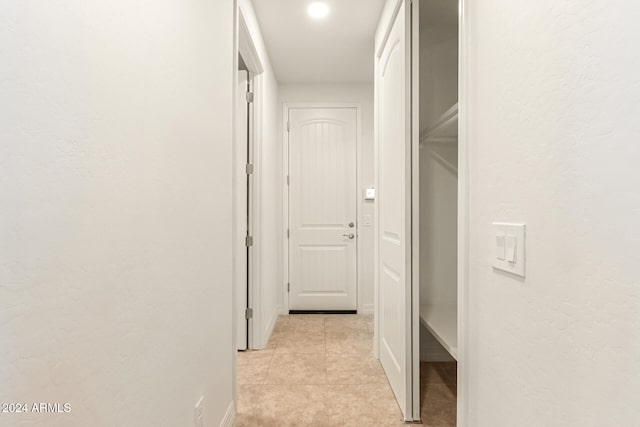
240 151
322 205
394 212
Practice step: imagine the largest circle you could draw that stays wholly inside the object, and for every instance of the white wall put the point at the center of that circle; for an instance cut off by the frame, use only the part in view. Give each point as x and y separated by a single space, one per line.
438 77
554 99
115 210
438 161
352 93
268 182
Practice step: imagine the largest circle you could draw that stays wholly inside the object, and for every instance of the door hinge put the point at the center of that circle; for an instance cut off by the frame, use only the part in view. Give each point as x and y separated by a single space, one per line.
288 180
249 168
248 313
248 241
287 233
288 287
249 97
288 126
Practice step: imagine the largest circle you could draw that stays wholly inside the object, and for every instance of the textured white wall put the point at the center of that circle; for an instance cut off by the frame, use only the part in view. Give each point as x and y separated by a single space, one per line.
353 93
115 210
554 99
438 77
268 173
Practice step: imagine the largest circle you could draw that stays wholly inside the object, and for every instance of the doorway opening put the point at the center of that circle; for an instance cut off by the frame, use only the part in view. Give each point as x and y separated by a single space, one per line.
394 178
417 79
438 209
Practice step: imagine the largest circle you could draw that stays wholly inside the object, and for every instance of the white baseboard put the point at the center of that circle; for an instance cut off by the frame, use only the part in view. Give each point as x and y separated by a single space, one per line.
434 354
272 324
430 349
366 308
230 416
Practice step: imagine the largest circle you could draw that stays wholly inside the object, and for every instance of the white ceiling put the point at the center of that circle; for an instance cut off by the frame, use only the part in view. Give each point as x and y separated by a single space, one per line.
336 49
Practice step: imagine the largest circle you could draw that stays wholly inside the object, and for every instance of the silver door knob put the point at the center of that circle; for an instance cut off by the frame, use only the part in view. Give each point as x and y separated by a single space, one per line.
350 235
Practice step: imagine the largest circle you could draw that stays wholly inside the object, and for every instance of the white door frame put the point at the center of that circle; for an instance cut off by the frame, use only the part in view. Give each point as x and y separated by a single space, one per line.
464 151
245 46
285 191
414 36
241 195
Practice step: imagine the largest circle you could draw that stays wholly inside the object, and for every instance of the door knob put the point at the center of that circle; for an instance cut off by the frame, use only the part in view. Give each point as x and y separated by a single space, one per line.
350 235
351 225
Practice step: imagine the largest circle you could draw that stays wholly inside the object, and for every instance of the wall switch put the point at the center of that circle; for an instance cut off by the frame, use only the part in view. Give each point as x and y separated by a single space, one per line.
199 413
370 193
367 221
500 246
509 241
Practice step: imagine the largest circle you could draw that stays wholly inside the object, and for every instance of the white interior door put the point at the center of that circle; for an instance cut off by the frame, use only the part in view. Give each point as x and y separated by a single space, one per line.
241 209
394 211
322 208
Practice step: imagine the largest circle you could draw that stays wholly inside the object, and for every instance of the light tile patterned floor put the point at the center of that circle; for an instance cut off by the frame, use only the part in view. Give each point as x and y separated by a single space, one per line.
438 395
318 370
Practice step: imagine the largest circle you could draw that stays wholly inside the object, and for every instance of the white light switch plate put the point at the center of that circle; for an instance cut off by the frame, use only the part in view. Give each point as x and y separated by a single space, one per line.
509 247
370 193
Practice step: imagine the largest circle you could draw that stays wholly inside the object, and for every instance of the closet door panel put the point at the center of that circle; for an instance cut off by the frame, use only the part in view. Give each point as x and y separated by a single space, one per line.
394 211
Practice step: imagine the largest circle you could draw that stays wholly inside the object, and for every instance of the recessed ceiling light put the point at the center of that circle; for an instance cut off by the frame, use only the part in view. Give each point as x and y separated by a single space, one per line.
318 10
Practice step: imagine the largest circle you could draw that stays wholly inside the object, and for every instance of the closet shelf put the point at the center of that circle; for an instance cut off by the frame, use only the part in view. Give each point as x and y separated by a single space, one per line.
442 321
444 130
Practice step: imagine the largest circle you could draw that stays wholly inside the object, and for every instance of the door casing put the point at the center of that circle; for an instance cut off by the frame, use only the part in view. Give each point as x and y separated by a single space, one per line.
285 188
464 151
243 187
245 46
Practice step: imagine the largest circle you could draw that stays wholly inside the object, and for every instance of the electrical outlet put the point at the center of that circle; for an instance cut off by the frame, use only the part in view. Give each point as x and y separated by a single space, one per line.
198 420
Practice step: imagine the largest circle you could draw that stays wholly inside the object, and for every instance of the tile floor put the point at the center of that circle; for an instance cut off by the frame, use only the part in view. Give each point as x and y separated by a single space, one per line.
318 370
438 393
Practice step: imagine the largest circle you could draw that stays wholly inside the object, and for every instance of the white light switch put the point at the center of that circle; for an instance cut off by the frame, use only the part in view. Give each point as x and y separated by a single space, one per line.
367 220
370 194
500 246
509 241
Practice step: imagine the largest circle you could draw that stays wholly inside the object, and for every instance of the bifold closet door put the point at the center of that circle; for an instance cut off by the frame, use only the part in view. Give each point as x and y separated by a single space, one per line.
394 210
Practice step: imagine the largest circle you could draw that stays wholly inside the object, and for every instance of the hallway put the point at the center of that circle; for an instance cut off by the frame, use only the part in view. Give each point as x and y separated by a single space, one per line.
319 370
